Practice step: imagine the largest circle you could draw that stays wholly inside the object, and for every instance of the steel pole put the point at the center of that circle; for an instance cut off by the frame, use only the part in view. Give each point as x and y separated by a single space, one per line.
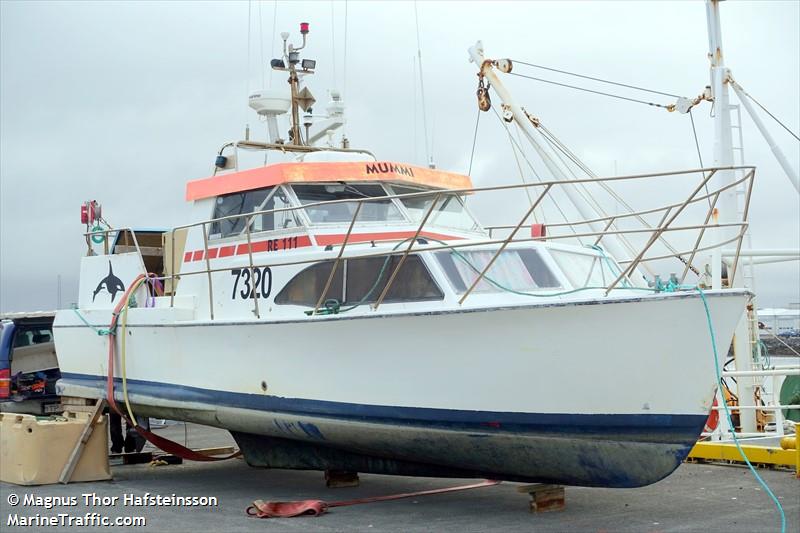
784 163
723 157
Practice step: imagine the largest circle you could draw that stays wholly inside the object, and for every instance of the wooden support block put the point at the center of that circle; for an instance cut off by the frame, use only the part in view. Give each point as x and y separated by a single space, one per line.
72 461
545 498
336 479
72 400
75 408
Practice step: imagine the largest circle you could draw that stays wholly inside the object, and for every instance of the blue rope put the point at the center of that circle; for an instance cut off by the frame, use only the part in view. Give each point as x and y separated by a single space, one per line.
728 415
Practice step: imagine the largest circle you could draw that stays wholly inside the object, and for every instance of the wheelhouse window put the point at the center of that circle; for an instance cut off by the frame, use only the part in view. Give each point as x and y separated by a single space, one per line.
449 211
361 281
242 203
513 270
586 270
381 210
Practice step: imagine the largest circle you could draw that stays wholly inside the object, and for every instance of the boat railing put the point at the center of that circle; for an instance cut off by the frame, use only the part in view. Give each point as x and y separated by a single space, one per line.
668 214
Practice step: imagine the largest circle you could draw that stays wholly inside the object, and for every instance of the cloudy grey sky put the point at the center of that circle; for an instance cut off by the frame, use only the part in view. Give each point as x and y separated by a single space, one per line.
125 102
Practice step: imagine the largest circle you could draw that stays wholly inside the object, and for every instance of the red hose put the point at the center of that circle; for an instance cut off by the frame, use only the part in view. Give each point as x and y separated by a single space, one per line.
167 445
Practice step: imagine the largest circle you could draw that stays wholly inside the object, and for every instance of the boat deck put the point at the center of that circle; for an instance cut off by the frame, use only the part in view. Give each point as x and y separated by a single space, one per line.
698 497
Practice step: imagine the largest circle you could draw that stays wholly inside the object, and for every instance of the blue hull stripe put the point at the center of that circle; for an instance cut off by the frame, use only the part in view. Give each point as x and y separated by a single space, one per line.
673 428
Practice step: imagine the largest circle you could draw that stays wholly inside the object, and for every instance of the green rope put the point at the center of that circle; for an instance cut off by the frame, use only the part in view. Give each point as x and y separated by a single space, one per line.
99 331
334 306
540 294
728 413
97 234
764 354
625 282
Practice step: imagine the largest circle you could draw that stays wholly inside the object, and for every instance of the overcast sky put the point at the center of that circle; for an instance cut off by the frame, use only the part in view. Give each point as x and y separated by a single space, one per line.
125 102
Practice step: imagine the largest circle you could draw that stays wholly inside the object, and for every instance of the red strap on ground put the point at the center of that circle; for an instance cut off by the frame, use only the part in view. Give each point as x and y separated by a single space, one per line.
167 445
262 509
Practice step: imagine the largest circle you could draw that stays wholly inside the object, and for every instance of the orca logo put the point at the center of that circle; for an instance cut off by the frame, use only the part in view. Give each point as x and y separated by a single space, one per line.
111 283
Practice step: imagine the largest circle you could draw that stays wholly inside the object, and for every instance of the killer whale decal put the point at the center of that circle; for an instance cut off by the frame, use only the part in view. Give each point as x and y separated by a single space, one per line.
110 283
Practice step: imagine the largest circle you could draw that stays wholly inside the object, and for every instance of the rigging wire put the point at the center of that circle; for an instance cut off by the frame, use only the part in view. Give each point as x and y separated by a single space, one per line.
699 156
653 104
333 44
344 69
261 42
474 139
272 48
530 165
247 78
596 79
770 114
414 107
575 159
542 211
422 87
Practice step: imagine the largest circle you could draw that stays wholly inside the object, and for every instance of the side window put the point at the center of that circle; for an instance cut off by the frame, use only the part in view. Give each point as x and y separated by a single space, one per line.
586 270
306 287
514 270
361 281
239 203
367 277
277 220
449 211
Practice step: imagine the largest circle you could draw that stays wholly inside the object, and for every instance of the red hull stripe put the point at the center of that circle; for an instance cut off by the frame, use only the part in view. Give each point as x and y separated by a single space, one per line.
303 241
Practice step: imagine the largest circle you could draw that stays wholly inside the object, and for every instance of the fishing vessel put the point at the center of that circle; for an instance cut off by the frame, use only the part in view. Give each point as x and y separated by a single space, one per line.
340 311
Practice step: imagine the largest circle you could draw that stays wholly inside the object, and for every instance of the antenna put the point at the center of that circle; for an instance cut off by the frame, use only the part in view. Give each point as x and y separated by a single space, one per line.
300 99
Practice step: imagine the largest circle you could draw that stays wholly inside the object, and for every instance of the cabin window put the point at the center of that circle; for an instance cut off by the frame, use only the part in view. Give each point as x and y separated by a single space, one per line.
242 203
278 219
586 270
306 287
513 270
372 211
449 211
239 203
361 281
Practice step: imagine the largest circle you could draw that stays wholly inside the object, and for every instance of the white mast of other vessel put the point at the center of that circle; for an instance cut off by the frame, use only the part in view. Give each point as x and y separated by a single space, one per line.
746 348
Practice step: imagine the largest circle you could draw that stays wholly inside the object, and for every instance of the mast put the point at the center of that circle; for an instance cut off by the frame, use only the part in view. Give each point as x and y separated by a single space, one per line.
727 205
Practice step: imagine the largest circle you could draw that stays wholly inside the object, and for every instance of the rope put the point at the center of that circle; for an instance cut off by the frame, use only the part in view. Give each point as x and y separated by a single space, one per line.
596 79
99 331
653 104
728 414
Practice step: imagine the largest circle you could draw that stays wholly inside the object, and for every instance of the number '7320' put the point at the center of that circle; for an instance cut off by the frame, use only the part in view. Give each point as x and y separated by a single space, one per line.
255 285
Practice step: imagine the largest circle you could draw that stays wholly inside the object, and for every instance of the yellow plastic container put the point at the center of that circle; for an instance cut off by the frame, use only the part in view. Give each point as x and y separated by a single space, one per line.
34 452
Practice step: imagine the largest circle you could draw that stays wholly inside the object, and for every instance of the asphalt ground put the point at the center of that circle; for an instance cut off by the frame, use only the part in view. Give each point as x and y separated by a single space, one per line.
697 497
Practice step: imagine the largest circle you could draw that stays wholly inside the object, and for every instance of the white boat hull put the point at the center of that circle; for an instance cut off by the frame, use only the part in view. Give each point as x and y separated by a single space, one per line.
596 393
